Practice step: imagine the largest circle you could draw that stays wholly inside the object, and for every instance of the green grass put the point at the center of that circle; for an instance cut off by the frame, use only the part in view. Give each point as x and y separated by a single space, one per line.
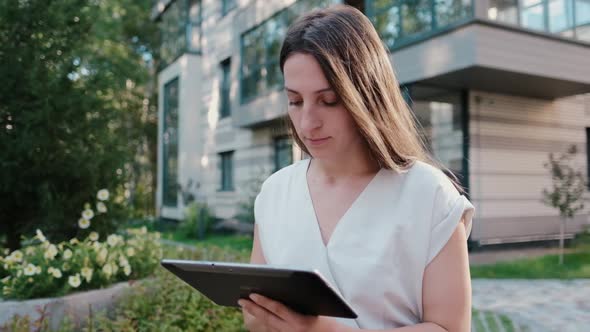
507 323
234 242
482 319
576 265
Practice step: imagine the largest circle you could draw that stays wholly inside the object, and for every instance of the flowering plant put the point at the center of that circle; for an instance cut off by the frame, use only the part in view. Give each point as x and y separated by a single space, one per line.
43 269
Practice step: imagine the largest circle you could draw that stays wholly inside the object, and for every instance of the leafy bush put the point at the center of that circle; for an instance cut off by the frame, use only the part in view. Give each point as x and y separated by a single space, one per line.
196 213
44 269
164 302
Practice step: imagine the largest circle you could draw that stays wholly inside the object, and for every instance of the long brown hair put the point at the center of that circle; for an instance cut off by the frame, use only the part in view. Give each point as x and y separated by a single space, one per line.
356 64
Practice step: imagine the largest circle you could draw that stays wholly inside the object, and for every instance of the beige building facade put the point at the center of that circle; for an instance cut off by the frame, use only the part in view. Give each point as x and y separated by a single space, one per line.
496 86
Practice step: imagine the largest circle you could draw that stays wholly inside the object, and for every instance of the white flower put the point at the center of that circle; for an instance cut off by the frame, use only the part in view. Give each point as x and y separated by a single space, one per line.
83 223
6 251
87 273
130 252
96 246
87 214
112 240
56 273
65 266
16 256
74 281
143 230
102 256
40 236
107 270
68 254
101 208
93 236
103 195
30 269
5 280
51 252
127 270
123 261
30 250
74 241
38 270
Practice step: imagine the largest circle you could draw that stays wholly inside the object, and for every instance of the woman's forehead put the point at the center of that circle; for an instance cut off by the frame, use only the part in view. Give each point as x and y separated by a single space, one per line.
303 74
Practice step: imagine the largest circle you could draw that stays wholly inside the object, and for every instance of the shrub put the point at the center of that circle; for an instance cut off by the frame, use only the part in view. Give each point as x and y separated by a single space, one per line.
195 214
164 303
44 269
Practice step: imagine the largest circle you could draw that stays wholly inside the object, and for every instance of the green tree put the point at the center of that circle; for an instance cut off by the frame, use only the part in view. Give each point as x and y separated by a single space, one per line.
567 191
75 110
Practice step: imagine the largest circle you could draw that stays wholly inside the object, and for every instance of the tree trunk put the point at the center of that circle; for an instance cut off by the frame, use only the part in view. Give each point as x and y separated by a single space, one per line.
561 239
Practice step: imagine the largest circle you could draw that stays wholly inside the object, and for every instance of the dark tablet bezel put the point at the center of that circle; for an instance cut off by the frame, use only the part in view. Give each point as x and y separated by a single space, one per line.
305 291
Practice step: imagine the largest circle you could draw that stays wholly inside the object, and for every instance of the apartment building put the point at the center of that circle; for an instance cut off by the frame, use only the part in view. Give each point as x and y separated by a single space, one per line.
496 85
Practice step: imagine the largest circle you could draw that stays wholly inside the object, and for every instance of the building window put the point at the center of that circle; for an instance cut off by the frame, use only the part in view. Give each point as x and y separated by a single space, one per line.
532 14
227 171
398 21
194 26
283 152
441 115
180 28
227 6
582 19
260 47
225 89
567 18
170 144
504 11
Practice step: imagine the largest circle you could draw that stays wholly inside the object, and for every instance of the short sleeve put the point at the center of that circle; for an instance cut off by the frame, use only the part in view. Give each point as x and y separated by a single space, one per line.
450 208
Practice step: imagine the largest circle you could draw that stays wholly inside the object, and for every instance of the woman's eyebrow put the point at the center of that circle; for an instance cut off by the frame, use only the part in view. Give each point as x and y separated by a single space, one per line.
318 91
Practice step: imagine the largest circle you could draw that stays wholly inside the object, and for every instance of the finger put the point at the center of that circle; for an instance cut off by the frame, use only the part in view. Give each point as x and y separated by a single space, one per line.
277 308
262 314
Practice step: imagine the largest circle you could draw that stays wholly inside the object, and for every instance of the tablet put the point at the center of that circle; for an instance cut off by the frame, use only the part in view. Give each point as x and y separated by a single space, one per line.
304 291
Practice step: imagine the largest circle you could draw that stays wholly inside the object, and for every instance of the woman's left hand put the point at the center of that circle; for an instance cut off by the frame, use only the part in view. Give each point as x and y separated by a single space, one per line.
278 317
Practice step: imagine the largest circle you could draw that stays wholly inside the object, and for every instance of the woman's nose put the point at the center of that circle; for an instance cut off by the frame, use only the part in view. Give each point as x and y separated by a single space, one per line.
310 119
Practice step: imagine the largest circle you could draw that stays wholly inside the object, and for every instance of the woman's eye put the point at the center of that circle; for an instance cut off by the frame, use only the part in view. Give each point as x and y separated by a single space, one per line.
333 103
295 103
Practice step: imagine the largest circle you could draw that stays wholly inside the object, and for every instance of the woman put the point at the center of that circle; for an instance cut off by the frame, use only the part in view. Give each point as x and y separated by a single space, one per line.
368 209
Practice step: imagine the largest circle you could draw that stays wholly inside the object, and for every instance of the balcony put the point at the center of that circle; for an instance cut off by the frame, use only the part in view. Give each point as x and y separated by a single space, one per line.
180 27
535 48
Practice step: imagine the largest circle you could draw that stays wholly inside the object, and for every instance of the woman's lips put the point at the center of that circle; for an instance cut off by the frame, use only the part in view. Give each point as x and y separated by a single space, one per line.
317 141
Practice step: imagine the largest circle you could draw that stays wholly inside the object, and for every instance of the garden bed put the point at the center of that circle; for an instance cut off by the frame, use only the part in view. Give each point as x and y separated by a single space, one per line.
76 307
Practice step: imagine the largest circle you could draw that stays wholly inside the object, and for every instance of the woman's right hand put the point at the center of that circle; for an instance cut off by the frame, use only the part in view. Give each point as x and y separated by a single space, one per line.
253 324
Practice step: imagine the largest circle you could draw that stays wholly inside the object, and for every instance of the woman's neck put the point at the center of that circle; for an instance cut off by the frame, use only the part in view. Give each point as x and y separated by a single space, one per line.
345 167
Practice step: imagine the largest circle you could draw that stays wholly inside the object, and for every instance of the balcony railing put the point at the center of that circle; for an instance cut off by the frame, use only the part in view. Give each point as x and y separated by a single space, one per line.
180 28
567 18
402 21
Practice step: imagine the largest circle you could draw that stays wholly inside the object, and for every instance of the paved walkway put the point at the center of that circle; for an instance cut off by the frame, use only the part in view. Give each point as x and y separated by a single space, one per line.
540 305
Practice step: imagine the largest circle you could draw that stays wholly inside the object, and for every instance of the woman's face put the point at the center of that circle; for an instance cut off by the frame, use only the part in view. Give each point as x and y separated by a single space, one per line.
320 120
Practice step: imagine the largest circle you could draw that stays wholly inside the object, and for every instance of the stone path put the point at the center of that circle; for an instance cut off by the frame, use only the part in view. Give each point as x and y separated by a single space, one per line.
540 305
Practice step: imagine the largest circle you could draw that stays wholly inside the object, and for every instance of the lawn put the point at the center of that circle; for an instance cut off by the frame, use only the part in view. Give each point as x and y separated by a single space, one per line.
234 242
485 321
576 265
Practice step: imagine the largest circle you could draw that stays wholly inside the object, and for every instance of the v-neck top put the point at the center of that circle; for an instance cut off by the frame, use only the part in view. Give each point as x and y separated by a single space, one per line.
378 250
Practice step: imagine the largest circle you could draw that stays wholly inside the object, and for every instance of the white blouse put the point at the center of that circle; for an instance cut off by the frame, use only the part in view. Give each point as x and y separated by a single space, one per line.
377 254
